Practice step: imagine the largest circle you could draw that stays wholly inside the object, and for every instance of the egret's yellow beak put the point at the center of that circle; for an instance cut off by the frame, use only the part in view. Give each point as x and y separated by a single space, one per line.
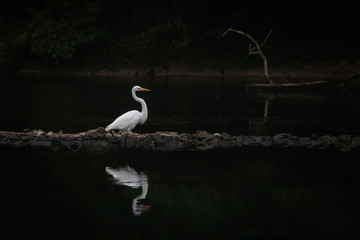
144 89
145 208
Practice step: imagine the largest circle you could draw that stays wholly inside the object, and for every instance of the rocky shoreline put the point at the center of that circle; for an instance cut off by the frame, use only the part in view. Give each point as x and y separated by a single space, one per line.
98 139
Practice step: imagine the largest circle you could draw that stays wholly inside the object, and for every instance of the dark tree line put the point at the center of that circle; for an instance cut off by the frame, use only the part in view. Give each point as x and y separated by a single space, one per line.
113 34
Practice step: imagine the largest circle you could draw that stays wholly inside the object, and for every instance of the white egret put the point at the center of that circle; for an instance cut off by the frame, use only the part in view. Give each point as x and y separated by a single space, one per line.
130 119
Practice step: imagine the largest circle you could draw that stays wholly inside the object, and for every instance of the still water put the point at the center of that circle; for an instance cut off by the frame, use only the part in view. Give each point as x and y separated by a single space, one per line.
218 195
250 193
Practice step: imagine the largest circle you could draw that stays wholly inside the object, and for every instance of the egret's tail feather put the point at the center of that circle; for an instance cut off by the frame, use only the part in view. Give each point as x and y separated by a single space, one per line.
109 127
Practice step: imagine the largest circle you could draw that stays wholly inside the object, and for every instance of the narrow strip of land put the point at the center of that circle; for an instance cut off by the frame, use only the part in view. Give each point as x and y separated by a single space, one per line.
98 139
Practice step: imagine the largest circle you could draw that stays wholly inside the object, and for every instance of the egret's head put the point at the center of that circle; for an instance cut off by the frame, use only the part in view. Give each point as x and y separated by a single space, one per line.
138 88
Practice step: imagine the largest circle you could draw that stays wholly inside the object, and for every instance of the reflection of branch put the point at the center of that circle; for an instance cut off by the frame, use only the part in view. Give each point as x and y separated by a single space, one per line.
266 106
266 110
255 50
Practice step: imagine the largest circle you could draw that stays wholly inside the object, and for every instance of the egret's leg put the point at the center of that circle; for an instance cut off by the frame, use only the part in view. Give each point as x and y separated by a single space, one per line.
114 136
126 138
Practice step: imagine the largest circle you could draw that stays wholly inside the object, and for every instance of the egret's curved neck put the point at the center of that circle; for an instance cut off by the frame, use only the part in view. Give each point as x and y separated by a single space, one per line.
137 209
144 110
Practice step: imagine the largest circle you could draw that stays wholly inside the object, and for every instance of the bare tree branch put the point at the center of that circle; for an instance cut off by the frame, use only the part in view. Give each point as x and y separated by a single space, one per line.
262 44
255 50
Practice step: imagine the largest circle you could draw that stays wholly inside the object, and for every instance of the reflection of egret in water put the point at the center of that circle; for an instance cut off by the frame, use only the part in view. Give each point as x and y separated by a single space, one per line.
127 176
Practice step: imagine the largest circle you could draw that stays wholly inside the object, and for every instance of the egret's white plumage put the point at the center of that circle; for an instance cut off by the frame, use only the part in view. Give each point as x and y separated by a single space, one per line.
127 176
125 122
129 120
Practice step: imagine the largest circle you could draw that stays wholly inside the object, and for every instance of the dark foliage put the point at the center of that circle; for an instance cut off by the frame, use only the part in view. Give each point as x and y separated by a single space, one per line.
114 34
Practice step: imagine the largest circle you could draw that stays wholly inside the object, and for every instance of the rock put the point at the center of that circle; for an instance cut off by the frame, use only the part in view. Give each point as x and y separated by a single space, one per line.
218 135
212 143
37 133
203 135
267 143
24 138
167 134
345 138
314 136
101 130
171 144
304 140
313 144
50 134
356 142
325 140
334 141
205 147
59 134
166 141
94 133
226 136
281 139
189 140
79 136
255 141
292 142
26 130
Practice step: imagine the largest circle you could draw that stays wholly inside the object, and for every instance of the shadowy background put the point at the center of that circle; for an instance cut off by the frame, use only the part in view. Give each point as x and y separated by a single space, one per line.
111 35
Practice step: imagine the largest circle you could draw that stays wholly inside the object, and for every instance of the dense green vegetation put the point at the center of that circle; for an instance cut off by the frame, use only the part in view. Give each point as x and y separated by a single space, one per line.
105 34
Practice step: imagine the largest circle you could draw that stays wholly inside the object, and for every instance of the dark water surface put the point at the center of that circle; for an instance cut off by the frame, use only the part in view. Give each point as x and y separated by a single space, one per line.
245 194
250 193
79 103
